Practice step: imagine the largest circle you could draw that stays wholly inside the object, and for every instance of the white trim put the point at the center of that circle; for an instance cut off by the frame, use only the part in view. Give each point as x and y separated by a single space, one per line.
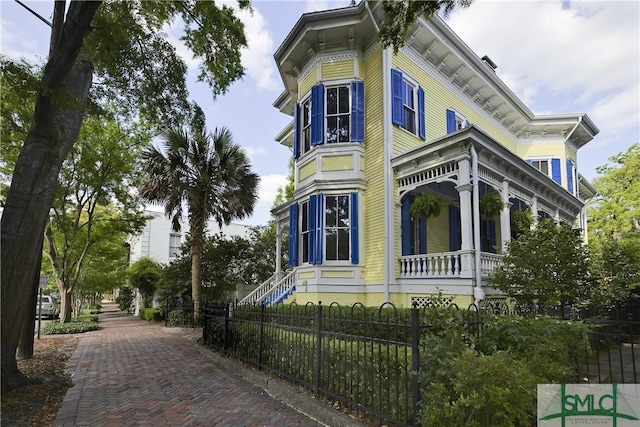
389 205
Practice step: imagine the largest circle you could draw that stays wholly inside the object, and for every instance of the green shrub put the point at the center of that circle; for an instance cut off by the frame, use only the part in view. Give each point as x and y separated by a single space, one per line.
179 318
150 314
481 390
76 326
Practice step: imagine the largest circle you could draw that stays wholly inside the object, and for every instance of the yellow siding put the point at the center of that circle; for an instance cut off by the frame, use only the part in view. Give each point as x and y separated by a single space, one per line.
338 69
374 172
361 69
438 99
572 154
307 170
305 85
338 274
337 163
438 233
307 275
542 150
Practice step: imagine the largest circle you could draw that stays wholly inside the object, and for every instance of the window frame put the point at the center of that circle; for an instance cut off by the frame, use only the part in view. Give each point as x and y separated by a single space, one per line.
338 115
174 251
327 228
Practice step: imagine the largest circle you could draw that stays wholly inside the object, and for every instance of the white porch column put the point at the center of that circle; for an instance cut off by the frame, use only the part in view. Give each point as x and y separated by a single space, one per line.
464 188
278 248
505 217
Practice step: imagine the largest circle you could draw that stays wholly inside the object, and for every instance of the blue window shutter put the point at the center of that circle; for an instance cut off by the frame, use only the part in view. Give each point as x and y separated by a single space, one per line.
296 131
570 175
319 228
492 236
293 235
421 118
317 114
422 235
357 111
405 224
451 121
397 104
555 171
355 257
312 229
454 228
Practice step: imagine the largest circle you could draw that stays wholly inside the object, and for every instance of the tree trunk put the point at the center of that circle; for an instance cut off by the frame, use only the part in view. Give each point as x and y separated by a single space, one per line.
66 303
196 277
56 125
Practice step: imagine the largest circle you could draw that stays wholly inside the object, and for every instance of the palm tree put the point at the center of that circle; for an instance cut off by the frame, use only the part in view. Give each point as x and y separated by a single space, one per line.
208 174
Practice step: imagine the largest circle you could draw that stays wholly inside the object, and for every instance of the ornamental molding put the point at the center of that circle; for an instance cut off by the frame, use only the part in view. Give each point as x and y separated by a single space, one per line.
313 65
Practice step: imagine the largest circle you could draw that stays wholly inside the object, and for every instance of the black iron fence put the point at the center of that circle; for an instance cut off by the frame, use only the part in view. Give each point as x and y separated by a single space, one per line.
179 312
363 359
366 359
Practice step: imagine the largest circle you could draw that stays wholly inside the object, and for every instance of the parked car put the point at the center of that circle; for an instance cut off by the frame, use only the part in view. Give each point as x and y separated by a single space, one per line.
50 307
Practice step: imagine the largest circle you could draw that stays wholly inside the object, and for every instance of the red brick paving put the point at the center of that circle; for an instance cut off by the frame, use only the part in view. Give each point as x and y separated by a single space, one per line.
132 373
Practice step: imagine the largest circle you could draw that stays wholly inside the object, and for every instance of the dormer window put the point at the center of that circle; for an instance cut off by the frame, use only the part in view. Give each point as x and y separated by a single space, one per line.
455 121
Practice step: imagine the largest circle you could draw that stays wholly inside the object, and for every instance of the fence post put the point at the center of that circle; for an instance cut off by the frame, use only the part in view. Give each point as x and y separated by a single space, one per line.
318 371
166 314
205 336
226 327
415 360
261 336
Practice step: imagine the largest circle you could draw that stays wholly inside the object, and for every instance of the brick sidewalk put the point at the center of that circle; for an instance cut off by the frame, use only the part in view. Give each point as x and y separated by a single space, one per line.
131 372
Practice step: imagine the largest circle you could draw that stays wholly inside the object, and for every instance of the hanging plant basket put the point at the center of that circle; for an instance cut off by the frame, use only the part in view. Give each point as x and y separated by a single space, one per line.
521 221
425 205
491 205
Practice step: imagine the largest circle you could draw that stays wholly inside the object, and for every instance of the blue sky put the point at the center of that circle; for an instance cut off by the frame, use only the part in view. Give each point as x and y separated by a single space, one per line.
557 56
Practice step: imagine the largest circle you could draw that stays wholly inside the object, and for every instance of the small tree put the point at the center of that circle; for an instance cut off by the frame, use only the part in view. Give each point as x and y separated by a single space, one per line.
144 274
548 264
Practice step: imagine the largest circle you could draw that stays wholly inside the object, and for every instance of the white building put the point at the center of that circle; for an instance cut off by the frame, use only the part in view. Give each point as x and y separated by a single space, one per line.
161 243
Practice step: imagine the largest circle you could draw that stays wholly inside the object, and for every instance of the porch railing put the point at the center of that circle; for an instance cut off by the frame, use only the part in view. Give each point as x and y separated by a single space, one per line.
430 265
272 290
488 262
444 264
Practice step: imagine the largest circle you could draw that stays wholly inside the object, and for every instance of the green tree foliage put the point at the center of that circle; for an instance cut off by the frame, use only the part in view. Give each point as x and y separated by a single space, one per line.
548 264
285 193
93 199
614 230
227 262
400 16
206 172
145 274
137 67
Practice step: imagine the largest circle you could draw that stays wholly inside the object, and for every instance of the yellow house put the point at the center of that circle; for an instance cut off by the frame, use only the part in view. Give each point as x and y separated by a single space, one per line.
372 131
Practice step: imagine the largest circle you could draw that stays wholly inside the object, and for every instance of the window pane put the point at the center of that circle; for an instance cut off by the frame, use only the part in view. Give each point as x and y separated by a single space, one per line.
343 132
344 99
544 167
331 217
332 245
332 101
305 247
306 113
410 120
305 217
332 129
343 211
343 244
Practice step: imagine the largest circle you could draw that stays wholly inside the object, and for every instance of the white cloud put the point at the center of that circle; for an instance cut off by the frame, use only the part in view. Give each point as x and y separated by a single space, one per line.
257 57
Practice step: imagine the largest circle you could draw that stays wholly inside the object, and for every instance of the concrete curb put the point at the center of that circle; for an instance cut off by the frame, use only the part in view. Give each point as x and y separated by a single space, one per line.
283 392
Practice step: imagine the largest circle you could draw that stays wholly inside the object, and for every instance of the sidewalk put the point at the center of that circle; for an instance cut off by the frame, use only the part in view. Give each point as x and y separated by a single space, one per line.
132 373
